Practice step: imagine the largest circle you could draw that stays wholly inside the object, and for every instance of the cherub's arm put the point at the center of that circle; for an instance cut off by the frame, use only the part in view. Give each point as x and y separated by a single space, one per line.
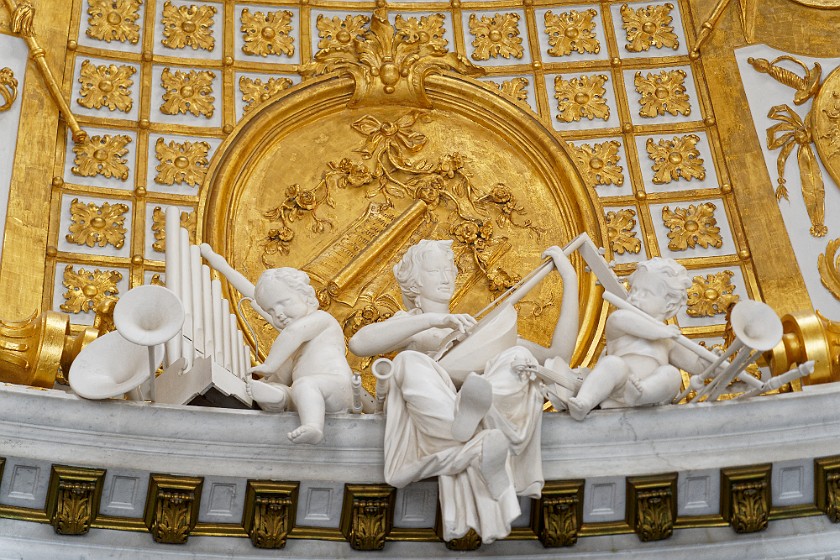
625 321
395 333
566 330
298 332
245 287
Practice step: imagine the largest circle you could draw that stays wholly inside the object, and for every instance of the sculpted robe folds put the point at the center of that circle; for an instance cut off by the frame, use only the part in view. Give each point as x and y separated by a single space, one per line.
420 409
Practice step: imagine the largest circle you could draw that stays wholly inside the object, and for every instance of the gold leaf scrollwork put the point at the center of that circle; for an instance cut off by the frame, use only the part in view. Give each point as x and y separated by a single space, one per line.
188 26
712 295
571 31
73 510
369 523
788 133
749 506
599 163
428 30
114 20
649 26
692 226
254 91
828 264
496 36
97 225
188 92
515 89
654 521
102 155
381 60
662 93
675 159
181 162
470 541
86 290
105 86
581 97
622 238
267 33
188 222
8 88
171 524
561 523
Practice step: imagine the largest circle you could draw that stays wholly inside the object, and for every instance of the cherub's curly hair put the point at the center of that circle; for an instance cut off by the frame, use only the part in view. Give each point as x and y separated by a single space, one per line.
295 279
408 269
673 275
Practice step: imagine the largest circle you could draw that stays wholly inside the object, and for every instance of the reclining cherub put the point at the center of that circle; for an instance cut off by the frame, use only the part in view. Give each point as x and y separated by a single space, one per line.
306 369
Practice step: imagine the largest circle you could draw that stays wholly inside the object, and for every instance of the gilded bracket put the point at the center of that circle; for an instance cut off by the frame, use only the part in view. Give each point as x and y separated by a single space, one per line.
470 541
745 497
172 507
73 498
367 515
827 486
8 88
652 506
557 516
269 512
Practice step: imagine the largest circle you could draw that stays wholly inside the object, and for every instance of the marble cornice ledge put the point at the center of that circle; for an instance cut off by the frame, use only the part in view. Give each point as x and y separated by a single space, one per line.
60 428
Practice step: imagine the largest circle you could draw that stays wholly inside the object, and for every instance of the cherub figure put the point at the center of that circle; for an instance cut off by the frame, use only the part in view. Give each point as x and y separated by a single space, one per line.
641 359
306 369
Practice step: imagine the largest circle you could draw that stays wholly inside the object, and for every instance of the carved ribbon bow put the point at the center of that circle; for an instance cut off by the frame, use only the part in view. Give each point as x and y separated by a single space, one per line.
787 134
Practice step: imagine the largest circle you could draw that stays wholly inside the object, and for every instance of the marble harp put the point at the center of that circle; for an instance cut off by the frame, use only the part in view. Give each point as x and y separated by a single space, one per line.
208 359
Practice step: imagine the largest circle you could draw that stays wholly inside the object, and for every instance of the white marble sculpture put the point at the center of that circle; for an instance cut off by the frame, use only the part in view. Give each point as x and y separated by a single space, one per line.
306 369
482 442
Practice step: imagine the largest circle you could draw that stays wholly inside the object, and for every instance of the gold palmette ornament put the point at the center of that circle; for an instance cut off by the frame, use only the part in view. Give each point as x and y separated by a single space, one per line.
808 336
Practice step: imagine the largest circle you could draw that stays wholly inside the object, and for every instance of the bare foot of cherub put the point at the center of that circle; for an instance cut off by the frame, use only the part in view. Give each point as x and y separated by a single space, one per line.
269 397
494 454
473 401
633 390
306 434
578 408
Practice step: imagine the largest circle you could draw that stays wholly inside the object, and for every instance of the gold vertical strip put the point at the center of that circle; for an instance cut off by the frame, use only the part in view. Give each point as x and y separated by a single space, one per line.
458 29
228 98
305 32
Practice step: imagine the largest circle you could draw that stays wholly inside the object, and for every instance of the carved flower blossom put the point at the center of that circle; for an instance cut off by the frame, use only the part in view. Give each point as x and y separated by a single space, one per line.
187 92
695 225
87 290
114 20
676 158
581 97
268 33
620 234
346 174
105 86
571 31
181 162
337 33
475 234
711 296
97 225
390 137
661 93
102 155
254 91
428 30
599 163
649 26
188 26
496 36
501 280
188 222
451 165
429 189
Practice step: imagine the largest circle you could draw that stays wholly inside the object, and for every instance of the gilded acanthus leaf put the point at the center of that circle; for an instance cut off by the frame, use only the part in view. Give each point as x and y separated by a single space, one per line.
428 30
515 88
254 91
662 93
620 234
676 158
181 162
649 26
102 155
599 163
187 92
188 222
105 86
267 33
692 226
87 290
339 34
581 97
712 295
97 225
114 20
828 264
496 36
571 31
188 26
